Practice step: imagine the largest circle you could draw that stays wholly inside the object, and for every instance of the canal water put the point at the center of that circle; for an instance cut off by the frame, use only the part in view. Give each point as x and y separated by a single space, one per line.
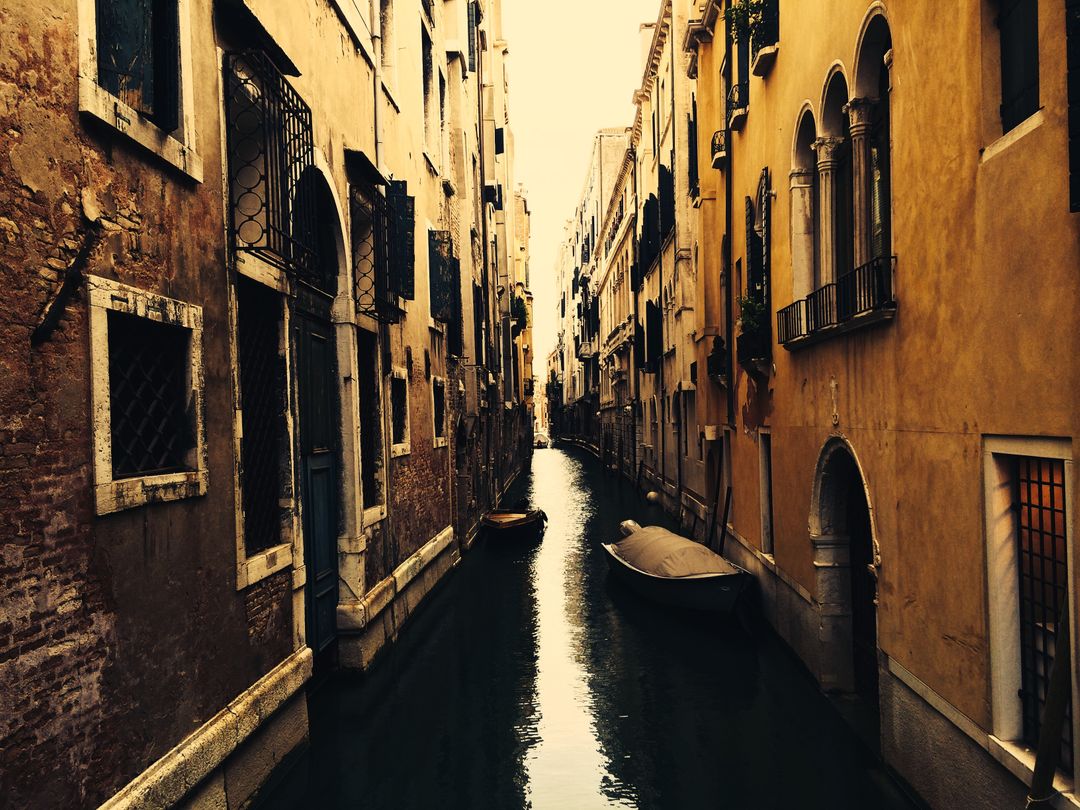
530 680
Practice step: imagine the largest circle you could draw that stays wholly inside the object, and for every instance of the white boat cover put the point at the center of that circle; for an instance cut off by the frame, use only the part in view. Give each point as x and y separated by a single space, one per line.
657 551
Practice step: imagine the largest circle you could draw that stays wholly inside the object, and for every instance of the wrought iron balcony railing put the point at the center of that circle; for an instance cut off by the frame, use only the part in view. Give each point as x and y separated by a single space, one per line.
858 298
719 148
738 102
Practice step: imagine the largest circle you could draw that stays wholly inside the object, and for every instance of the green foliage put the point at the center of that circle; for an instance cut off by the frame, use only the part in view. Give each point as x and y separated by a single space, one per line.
747 16
752 315
519 312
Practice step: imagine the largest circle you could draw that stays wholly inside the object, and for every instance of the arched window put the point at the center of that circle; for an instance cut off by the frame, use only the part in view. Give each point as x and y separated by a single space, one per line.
805 276
870 111
834 160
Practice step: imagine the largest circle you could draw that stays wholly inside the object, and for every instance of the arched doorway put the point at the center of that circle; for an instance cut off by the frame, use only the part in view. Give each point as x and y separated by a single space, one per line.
845 558
318 406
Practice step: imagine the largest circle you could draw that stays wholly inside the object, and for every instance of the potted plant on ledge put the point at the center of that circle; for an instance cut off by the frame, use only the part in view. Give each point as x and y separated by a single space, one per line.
752 346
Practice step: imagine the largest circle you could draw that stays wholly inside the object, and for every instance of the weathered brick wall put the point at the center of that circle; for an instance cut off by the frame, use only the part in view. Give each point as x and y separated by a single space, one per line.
118 635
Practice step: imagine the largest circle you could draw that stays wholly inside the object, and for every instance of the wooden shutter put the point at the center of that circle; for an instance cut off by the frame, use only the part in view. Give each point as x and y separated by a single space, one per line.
1019 27
165 27
403 222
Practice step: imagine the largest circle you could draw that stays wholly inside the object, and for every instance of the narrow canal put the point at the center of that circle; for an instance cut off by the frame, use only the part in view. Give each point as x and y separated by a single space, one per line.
530 680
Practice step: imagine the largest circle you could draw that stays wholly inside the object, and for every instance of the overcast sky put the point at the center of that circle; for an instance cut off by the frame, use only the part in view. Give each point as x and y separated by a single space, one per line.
574 66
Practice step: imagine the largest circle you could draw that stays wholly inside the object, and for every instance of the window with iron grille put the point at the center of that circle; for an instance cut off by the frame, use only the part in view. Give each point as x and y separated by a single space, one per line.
370 223
371 420
138 56
399 412
1018 24
438 401
270 146
148 394
262 412
148 433
1039 509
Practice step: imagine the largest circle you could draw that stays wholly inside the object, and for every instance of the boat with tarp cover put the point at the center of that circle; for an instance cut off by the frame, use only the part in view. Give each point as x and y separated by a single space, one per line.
666 567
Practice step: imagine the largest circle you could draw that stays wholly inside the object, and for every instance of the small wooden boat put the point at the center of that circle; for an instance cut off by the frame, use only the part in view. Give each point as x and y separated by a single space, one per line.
515 525
667 568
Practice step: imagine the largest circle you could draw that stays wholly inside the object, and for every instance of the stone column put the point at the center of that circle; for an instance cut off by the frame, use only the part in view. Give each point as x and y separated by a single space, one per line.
861 116
826 149
803 278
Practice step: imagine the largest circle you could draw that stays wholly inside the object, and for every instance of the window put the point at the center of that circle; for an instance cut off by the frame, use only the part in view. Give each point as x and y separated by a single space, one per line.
1028 528
263 406
133 57
444 287
372 461
474 23
399 412
138 54
1039 510
149 443
765 468
438 402
270 148
388 47
1018 25
428 68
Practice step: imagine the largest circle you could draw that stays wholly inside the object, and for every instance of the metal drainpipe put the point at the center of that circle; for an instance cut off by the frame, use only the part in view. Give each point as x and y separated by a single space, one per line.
729 331
384 328
635 390
492 456
675 254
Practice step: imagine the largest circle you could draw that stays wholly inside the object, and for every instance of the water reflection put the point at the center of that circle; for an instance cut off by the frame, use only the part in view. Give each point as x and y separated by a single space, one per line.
531 680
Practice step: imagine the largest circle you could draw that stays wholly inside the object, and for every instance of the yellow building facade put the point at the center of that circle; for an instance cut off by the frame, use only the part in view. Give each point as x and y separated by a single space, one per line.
890 260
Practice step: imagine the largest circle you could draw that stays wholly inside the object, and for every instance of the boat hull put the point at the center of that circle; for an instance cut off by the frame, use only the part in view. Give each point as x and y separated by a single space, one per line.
717 593
529 528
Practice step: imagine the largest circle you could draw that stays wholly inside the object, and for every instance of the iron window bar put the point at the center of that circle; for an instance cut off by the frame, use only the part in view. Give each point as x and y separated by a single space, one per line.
150 407
1040 520
369 214
270 148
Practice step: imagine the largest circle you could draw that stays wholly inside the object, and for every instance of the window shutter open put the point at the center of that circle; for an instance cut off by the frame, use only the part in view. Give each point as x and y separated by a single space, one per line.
165 25
403 219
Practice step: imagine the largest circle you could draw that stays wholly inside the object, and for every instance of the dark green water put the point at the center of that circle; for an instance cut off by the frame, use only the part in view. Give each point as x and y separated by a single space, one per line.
529 679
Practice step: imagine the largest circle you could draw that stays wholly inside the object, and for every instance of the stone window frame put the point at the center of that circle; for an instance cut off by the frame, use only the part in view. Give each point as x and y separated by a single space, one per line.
1002 590
115 495
437 440
177 149
262 564
402 448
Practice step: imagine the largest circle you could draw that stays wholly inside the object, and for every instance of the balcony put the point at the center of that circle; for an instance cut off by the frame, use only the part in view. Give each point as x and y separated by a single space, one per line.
859 298
719 148
587 350
738 104
764 38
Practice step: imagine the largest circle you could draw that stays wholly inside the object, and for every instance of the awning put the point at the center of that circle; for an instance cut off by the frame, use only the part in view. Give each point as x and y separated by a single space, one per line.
359 165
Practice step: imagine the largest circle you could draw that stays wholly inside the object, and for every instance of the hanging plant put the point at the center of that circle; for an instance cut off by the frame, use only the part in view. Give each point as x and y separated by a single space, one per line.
751 315
745 17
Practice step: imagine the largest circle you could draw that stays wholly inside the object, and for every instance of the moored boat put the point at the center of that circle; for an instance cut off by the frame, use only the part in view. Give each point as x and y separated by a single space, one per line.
668 568
515 525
